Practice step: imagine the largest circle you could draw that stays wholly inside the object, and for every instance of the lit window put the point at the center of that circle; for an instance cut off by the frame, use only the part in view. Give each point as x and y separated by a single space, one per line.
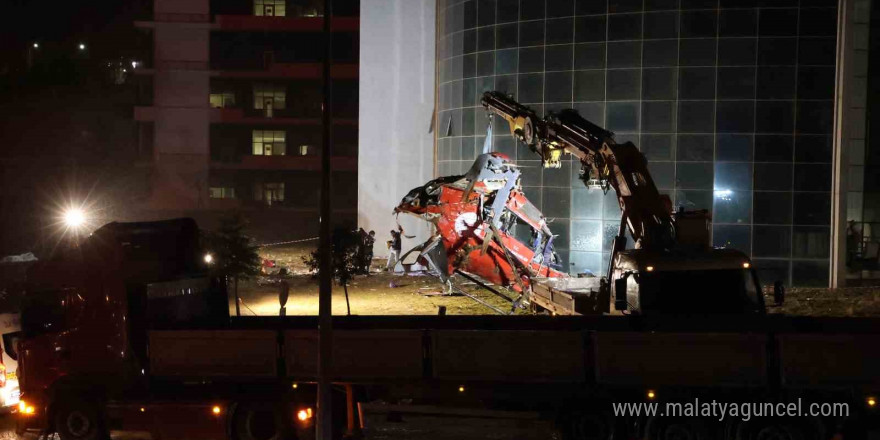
304 150
222 100
269 193
219 192
269 143
269 96
270 8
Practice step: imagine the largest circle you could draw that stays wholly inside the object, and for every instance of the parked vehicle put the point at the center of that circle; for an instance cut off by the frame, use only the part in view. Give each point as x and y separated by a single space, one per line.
129 333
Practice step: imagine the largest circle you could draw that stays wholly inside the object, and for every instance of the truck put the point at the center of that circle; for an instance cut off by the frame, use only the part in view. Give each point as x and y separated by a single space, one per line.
130 331
10 331
672 260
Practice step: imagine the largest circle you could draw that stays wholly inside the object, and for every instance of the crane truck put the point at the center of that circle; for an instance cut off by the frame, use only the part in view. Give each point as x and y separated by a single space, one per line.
672 262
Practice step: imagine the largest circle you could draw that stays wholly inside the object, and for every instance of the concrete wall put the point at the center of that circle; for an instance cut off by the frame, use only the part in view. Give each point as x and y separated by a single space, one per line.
181 86
849 136
396 147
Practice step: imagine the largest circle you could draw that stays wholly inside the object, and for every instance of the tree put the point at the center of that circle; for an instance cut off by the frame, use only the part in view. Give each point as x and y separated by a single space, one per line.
345 256
234 254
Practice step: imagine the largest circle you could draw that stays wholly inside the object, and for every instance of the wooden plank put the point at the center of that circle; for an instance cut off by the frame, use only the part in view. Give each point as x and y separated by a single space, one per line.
681 359
213 353
829 360
508 355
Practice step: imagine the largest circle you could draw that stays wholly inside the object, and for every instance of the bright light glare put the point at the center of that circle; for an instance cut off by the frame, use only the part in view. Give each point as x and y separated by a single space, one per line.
209 258
650 268
651 394
724 194
746 265
304 414
215 410
82 46
36 45
872 402
74 218
134 64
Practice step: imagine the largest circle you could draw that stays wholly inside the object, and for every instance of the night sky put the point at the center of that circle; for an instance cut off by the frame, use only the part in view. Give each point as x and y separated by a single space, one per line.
66 128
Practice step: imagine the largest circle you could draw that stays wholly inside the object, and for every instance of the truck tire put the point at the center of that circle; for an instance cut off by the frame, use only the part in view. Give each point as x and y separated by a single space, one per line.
677 428
780 429
259 421
79 420
587 425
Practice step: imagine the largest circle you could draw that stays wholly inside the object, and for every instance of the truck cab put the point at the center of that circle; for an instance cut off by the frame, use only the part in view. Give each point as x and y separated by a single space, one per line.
713 281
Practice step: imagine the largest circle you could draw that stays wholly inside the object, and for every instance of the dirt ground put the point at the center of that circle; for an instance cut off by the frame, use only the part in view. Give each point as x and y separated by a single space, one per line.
377 294
382 293
850 301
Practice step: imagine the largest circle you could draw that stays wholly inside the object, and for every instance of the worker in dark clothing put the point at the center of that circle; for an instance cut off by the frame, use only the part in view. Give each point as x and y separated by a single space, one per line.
369 240
360 250
394 246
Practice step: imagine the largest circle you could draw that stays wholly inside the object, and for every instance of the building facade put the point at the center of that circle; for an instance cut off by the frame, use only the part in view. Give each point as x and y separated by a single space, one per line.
732 102
233 112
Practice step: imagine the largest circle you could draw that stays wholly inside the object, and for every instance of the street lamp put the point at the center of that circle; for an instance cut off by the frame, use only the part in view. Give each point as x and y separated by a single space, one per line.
82 46
209 258
74 218
36 45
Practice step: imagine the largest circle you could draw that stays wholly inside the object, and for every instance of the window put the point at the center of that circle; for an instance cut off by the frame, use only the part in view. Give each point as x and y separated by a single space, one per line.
270 8
305 150
269 143
269 97
222 193
222 100
269 193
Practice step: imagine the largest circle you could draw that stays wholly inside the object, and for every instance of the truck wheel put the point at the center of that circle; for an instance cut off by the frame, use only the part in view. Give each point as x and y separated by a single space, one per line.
79 420
676 429
780 429
587 426
257 421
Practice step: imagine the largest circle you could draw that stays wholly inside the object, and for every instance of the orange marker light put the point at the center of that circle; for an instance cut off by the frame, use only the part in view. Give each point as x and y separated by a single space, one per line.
295 386
872 402
304 414
143 409
651 394
461 389
215 410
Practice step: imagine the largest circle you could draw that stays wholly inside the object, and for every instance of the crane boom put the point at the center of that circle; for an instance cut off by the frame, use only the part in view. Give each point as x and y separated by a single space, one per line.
646 213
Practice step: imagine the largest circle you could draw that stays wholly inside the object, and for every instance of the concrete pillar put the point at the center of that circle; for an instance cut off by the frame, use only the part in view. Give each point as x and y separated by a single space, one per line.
849 129
181 86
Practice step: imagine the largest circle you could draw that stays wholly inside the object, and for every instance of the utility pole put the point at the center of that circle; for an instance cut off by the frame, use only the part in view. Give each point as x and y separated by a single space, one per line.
325 300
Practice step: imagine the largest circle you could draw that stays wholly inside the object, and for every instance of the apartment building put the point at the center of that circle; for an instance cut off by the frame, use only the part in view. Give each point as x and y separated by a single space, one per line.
231 114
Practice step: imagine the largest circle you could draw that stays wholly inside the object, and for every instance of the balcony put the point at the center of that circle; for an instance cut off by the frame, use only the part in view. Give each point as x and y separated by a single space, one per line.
296 163
292 71
250 23
284 24
238 116
224 204
144 114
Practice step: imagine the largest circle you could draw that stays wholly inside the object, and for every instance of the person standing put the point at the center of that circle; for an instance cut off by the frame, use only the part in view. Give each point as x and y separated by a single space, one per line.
394 246
369 240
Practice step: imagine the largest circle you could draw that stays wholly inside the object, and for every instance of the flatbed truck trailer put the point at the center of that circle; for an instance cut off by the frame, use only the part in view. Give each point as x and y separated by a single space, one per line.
130 334
217 381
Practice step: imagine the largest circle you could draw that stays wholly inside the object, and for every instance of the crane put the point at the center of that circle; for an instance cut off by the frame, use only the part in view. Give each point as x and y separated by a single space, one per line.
672 251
